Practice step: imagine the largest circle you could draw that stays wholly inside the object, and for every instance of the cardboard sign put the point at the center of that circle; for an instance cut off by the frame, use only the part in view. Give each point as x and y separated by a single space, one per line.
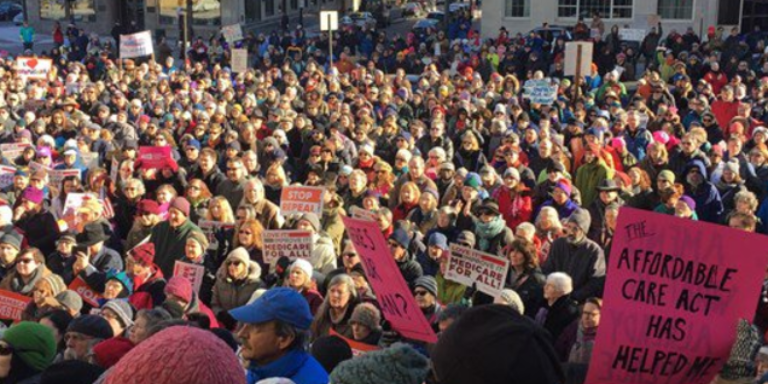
329 20
469 267
572 54
358 348
654 20
395 298
291 244
210 228
85 291
540 91
239 60
33 67
6 175
363 214
57 175
192 272
676 289
12 305
594 33
628 34
154 157
136 45
298 199
232 33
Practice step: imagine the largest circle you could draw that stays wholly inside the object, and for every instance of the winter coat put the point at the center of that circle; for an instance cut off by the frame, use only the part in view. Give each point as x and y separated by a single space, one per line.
555 318
709 205
149 293
588 177
584 262
530 287
41 231
297 365
515 207
409 268
169 243
229 293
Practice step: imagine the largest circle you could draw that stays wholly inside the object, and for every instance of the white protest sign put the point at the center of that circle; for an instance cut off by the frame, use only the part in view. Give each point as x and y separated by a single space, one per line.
239 60
329 20
232 33
540 91
628 34
114 169
57 175
90 159
6 175
192 272
291 244
363 214
33 67
572 57
468 266
136 45
210 228
594 32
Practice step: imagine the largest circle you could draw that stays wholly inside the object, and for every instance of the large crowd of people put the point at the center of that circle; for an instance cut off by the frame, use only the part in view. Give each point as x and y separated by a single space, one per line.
430 133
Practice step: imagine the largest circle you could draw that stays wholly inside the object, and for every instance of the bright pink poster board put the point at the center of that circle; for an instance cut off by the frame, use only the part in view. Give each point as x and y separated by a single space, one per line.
395 299
674 293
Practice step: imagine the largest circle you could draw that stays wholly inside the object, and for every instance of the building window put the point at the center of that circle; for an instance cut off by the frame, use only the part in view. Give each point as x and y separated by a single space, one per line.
608 9
675 9
204 12
517 8
270 8
81 10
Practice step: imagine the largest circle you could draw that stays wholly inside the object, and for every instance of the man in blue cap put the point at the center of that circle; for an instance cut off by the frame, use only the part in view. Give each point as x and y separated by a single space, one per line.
274 334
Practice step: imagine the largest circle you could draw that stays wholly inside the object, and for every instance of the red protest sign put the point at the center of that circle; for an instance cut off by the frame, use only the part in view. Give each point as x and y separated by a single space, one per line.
298 199
394 297
154 157
358 348
675 291
12 305
85 291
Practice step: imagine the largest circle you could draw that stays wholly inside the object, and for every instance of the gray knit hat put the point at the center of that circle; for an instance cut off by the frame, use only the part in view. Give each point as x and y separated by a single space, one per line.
581 218
399 364
427 282
366 314
70 300
122 309
511 298
56 283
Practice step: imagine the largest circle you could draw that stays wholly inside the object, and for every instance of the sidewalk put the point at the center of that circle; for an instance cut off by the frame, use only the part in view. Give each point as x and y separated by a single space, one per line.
10 41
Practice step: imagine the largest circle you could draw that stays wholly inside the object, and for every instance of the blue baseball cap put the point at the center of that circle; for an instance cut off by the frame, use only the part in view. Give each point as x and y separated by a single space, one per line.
283 304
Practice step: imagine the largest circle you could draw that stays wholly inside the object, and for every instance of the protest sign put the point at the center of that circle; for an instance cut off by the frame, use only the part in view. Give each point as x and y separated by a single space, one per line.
594 33
298 199
628 34
574 60
114 169
395 298
136 45
210 228
468 267
358 348
85 291
675 291
12 305
91 159
192 272
291 244
33 67
232 33
654 20
35 166
6 175
540 91
154 157
239 60
73 202
13 150
363 214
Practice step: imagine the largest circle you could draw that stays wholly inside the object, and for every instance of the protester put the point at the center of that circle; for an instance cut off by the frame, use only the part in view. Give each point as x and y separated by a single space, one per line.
27 350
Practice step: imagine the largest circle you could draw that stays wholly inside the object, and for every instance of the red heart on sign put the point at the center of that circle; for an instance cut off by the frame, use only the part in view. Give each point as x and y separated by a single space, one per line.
32 63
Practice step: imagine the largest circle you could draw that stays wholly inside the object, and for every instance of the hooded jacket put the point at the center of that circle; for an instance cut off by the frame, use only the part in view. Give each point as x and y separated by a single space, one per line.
589 176
169 243
709 205
229 293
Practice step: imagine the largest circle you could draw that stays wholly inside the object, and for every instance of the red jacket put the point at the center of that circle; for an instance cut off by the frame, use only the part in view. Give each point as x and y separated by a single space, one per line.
725 111
514 210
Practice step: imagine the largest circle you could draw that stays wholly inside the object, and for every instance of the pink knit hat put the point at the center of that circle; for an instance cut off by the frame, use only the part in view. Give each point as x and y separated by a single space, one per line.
179 355
179 287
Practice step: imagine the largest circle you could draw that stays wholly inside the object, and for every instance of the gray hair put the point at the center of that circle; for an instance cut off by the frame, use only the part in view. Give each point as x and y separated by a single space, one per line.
748 198
562 282
344 279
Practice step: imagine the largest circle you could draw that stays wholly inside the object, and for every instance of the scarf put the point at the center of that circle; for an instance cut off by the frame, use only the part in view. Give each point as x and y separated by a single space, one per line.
18 286
581 351
486 231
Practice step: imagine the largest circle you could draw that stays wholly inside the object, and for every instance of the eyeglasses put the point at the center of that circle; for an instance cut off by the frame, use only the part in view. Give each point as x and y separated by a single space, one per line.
235 262
393 244
26 261
350 254
420 293
193 187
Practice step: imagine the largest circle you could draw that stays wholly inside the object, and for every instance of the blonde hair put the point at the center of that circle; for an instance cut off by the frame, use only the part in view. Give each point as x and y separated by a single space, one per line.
227 216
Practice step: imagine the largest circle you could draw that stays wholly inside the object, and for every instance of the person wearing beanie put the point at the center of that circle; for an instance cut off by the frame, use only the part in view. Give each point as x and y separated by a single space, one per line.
179 290
71 372
414 172
579 257
147 217
57 320
93 265
170 237
38 224
590 174
44 294
494 344
11 244
685 208
236 280
366 324
709 203
273 336
83 333
196 252
490 228
233 187
437 248
147 279
399 364
511 298
119 314
399 242
730 184
167 358
108 352
300 278
26 349
330 351
425 293
323 258
70 301
515 204
117 286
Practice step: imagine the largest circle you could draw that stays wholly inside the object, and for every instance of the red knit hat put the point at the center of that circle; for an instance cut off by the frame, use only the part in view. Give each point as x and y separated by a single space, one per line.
108 352
180 287
144 254
181 204
168 358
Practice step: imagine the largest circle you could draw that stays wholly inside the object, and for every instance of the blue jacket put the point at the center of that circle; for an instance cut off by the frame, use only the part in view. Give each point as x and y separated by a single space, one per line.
709 204
298 366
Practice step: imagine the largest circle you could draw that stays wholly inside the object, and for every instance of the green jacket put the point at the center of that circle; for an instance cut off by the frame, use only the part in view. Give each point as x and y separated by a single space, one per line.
449 292
588 177
169 244
27 34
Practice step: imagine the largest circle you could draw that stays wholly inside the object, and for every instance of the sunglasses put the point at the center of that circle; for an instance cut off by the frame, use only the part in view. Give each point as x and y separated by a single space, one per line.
350 254
6 350
26 261
235 262
420 293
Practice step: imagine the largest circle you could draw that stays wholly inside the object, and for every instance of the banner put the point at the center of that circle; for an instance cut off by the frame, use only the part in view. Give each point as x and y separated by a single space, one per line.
6 175
628 34
395 298
239 60
210 228
192 272
358 348
136 45
85 291
298 199
232 33
33 67
57 175
468 267
12 305
540 91
675 291
154 157
291 244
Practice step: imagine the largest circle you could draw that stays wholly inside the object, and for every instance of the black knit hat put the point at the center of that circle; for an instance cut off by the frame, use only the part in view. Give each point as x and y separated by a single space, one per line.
91 325
71 372
330 351
493 344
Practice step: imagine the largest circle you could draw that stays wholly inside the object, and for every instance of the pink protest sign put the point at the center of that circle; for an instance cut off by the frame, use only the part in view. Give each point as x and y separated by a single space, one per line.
674 293
154 157
396 301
